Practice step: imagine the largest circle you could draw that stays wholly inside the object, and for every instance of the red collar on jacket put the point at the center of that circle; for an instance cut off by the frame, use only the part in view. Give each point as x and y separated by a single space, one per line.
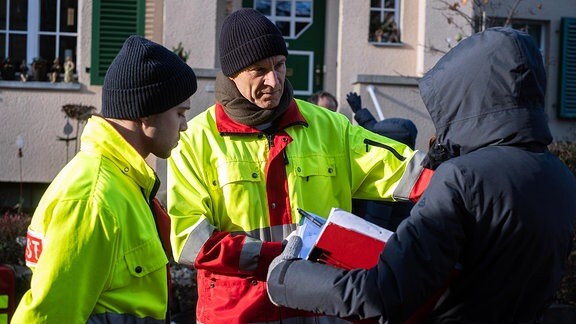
226 125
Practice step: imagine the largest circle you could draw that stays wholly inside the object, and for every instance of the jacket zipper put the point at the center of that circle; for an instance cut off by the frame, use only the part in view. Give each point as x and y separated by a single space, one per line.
270 138
384 146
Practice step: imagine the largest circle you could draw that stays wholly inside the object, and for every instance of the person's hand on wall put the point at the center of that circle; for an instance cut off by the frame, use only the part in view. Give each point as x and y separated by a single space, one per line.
354 101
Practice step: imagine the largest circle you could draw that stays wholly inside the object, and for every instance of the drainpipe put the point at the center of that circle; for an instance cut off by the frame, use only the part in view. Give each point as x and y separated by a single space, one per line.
370 89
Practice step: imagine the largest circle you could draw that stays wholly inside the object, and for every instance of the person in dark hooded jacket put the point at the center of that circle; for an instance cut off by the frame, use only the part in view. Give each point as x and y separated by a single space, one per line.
500 207
382 213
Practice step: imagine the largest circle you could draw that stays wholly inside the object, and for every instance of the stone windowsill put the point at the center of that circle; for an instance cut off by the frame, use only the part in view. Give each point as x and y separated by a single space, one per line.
36 85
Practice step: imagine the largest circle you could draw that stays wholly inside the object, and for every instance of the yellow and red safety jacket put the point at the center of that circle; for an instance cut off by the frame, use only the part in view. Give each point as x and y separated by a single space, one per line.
233 194
93 246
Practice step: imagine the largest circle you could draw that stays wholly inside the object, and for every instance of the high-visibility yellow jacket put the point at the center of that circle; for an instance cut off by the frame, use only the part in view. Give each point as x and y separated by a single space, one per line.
233 194
92 244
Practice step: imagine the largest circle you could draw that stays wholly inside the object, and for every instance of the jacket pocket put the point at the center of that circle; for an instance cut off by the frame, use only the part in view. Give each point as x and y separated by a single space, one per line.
238 171
146 258
311 166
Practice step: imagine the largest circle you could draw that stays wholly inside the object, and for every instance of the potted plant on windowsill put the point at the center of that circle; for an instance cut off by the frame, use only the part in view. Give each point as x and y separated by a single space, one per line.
7 70
39 69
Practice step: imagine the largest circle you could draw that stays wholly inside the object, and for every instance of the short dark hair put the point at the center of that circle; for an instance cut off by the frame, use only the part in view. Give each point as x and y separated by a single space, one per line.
315 98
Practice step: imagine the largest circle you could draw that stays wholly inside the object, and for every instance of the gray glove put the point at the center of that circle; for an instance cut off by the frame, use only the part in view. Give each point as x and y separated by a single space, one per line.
290 252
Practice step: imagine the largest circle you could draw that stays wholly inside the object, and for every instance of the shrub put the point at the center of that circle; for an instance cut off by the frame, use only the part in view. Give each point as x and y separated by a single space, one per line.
13 227
566 151
566 294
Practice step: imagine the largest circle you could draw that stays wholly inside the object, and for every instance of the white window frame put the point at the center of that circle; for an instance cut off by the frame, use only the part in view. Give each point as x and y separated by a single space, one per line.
292 19
33 32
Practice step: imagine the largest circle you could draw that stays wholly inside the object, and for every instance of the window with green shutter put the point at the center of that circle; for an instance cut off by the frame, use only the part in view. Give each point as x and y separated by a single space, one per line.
567 82
113 21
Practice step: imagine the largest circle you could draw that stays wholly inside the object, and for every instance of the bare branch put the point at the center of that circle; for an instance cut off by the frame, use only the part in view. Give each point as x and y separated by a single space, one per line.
512 12
455 8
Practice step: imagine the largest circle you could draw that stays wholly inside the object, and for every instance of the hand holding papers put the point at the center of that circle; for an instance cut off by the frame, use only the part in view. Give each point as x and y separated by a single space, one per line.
343 240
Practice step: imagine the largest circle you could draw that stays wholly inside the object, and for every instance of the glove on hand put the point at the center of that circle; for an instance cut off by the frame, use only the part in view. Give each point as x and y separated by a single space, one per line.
354 100
285 241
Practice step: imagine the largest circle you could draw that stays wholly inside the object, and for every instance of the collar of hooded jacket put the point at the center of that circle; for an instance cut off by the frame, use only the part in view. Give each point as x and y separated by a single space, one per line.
492 94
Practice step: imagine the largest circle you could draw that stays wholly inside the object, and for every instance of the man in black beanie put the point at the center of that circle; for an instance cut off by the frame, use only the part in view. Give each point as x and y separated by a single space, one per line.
97 243
248 162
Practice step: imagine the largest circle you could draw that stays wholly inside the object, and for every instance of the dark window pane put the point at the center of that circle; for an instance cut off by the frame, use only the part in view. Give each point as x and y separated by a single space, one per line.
17 48
375 27
19 15
534 30
48 47
376 3
48 15
67 48
299 27
284 27
303 8
69 16
283 8
2 45
2 17
389 4
263 6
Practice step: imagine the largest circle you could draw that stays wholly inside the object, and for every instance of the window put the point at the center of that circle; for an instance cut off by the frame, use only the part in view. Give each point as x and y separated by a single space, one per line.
292 17
38 28
534 28
384 22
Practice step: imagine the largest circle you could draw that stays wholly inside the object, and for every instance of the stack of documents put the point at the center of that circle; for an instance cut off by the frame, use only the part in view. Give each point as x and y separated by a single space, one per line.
343 239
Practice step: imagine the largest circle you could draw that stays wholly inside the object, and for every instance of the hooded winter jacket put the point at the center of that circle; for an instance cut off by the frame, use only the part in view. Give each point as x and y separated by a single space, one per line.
233 194
382 213
500 207
92 244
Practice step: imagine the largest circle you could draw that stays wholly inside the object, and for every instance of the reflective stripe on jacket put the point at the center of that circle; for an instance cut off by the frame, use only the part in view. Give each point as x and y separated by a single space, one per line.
233 192
100 256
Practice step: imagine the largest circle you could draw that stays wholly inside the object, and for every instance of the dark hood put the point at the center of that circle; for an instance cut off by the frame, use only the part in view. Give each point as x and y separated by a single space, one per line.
488 90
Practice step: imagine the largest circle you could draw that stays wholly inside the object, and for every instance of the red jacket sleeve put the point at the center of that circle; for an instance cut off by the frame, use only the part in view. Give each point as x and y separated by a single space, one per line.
235 254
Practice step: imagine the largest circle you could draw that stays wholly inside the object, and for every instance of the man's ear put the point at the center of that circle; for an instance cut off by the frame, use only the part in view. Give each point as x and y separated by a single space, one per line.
144 120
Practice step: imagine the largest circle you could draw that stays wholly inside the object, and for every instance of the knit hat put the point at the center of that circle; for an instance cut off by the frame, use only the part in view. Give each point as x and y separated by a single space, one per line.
145 79
247 37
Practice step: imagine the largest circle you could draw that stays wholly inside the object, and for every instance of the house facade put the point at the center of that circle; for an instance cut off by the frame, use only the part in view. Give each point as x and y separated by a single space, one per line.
378 48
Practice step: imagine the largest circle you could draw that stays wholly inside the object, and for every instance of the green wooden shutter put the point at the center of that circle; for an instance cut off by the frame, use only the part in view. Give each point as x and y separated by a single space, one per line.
567 83
112 22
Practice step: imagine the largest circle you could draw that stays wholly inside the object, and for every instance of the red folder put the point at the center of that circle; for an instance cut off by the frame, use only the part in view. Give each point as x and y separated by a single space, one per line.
349 242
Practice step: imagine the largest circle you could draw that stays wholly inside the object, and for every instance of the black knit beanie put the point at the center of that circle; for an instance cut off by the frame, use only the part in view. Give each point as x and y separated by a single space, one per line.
145 79
247 37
